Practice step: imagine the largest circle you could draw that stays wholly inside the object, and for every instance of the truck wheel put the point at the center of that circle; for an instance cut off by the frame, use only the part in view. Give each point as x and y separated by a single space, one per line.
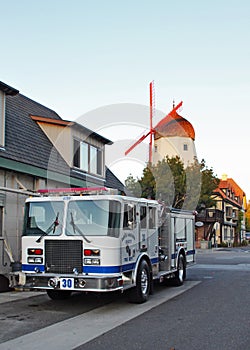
58 294
180 274
140 293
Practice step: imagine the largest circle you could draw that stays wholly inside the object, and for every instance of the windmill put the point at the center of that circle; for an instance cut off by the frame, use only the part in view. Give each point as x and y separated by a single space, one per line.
152 129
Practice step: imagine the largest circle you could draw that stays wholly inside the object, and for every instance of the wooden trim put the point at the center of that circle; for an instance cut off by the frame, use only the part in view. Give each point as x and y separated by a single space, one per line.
60 122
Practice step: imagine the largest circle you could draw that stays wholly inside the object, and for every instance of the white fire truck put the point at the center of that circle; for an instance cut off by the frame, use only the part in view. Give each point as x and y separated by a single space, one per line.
80 241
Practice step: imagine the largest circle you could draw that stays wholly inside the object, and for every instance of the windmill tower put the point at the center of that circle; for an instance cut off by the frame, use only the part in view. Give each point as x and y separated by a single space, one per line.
172 136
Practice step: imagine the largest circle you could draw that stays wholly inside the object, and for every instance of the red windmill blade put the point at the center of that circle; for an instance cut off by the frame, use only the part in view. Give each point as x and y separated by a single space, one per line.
174 110
137 143
152 130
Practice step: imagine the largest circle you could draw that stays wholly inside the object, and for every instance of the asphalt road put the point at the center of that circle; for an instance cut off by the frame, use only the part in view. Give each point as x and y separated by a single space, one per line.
211 311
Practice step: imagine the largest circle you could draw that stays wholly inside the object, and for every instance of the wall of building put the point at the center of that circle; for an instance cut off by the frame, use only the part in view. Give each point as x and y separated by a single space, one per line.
59 137
174 146
12 210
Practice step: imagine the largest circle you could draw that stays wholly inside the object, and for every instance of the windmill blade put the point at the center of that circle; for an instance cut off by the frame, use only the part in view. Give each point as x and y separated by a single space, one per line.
170 113
137 143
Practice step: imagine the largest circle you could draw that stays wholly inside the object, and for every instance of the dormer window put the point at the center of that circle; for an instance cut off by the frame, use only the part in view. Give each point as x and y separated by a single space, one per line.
88 157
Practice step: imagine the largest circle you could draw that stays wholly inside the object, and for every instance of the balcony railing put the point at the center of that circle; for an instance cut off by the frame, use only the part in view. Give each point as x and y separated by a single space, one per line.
210 215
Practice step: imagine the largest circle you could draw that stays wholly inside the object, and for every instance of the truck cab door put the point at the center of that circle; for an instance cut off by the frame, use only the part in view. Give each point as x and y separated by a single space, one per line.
130 235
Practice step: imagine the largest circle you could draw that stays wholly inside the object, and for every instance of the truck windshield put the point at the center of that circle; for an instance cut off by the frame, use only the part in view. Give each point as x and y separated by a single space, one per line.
43 218
93 218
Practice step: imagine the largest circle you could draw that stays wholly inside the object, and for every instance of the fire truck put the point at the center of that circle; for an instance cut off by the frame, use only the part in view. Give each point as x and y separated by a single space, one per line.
92 240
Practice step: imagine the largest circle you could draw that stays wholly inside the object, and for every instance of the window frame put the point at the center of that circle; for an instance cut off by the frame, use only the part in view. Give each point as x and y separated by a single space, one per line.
185 147
95 157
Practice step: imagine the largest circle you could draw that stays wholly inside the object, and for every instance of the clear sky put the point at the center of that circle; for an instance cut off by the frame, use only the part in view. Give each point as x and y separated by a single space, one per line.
79 55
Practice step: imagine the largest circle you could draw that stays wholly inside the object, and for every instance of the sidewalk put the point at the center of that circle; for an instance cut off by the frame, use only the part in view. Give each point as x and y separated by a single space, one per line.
6 297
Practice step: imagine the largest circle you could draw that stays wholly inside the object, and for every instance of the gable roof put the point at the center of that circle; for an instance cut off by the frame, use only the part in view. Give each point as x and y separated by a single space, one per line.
68 123
27 144
230 185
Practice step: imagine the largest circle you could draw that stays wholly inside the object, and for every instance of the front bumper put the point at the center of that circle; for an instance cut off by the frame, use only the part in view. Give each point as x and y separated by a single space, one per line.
87 283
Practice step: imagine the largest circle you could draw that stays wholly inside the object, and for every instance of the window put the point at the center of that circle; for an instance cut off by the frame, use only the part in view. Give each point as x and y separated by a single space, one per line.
180 229
129 218
43 218
185 147
2 119
225 234
88 157
93 218
143 216
152 217
93 160
84 156
229 212
76 157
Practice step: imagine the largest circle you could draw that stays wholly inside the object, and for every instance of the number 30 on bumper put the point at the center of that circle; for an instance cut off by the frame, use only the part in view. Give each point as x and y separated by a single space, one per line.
66 283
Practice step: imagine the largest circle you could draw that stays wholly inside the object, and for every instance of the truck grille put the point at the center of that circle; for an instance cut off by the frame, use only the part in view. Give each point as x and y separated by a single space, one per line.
63 256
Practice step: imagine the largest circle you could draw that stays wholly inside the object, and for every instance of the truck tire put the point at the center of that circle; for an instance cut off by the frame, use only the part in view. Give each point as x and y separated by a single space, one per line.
140 293
58 294
180 274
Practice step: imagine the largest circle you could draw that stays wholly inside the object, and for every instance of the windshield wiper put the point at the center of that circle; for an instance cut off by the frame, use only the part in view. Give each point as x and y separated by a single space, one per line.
52 228
76 228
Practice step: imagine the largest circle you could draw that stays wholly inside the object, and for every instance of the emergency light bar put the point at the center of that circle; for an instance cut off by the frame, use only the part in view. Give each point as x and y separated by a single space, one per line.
78 190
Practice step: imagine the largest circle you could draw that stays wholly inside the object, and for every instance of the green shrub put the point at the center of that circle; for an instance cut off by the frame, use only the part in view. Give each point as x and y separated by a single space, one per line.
223 245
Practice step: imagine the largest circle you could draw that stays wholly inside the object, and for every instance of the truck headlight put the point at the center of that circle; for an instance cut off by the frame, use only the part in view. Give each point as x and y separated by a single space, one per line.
35 260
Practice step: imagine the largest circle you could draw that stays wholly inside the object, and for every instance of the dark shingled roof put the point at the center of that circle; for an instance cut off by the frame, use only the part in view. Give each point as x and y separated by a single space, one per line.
113 182
8 90
26 143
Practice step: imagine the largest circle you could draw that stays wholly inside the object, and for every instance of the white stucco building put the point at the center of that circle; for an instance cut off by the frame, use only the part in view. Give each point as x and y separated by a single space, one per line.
174 136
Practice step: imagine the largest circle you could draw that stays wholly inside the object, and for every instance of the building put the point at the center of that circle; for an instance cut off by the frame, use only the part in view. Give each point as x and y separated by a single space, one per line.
40 150
224 224
174 136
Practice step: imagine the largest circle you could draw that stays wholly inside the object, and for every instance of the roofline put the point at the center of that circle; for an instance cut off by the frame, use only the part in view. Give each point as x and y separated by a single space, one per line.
68 123
51 120
93 133
220 193
8 90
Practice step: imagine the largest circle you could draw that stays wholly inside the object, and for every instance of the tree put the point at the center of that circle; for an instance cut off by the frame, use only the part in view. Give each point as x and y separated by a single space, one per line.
170 182
193 186
209 182
248 217
133 186
148 183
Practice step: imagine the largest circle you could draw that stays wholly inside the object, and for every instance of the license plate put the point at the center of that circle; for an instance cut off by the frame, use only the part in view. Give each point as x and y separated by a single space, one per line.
66 283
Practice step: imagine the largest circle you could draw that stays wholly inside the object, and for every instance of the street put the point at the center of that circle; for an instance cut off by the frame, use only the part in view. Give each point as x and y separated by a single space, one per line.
210 311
